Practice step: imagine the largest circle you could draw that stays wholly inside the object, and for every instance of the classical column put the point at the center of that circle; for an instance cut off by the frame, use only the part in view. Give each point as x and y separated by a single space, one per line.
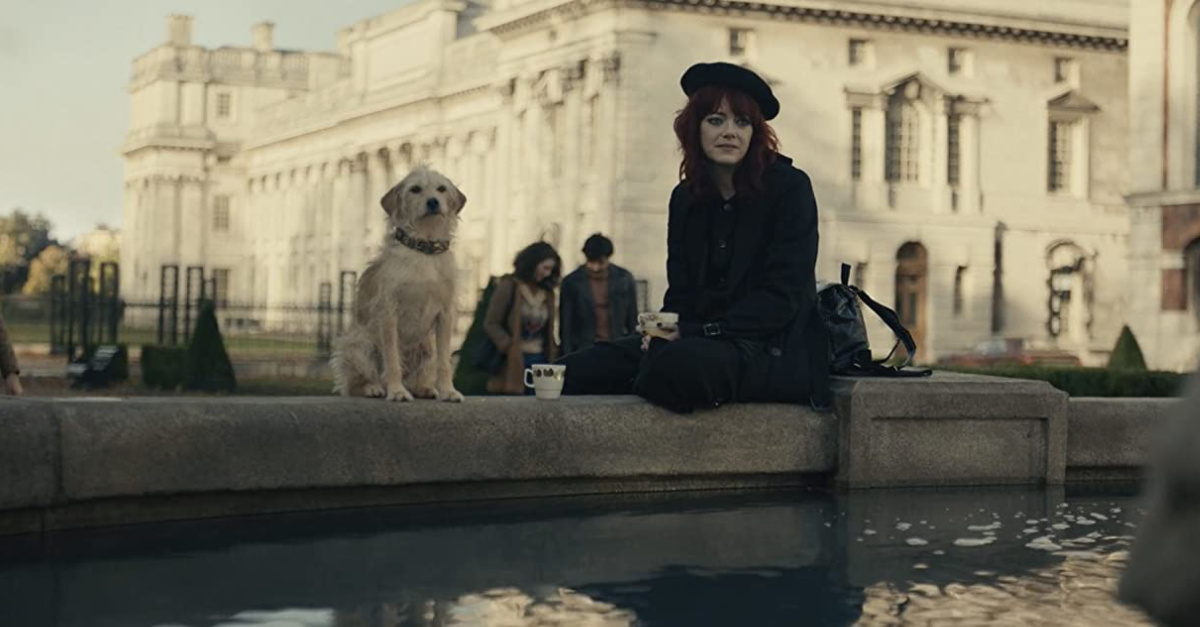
939 146
970 195
339 189
571 162
501 165
357 227
378 185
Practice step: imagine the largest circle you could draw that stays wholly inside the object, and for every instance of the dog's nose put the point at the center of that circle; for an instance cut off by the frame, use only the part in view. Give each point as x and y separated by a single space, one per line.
431 205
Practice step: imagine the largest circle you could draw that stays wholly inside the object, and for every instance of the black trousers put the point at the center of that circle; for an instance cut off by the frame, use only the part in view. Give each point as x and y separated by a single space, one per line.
684 375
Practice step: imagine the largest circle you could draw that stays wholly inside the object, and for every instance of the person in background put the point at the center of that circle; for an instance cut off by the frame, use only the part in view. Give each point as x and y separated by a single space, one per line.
598 302
8 363
520 317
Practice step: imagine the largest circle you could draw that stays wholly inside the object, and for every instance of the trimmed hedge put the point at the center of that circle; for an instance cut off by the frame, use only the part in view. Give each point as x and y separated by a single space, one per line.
1102 382
163 366
207 367
1127 355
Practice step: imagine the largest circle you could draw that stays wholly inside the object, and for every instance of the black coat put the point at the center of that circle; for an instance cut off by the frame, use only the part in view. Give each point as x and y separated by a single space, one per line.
771 285
577 308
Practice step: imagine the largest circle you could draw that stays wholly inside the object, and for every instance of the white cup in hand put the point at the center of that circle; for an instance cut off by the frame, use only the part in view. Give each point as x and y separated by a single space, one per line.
661 324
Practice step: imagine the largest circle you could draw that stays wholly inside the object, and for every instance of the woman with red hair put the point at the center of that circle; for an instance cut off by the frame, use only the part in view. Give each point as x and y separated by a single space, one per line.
741 262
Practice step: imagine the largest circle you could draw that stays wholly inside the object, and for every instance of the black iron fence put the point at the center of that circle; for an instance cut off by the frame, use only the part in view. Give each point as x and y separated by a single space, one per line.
83 311
251 331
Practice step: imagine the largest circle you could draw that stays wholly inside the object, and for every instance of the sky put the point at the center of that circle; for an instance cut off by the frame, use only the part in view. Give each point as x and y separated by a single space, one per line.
64 70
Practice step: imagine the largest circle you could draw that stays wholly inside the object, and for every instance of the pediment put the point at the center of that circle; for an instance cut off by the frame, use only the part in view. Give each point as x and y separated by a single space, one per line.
1072 101
914 85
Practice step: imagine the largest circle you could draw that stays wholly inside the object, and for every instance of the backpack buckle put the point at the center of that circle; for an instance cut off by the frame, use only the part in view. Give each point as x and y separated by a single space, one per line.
712 329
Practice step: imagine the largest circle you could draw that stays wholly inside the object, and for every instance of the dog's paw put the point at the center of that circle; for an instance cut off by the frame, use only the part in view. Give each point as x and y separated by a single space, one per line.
399 394
373 390
450 395
426 391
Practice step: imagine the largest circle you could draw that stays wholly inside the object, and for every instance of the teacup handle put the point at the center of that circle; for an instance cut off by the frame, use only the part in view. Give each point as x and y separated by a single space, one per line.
528 377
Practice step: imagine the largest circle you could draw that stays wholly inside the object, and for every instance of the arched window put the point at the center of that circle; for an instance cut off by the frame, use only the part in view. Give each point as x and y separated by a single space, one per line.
911 270
903 147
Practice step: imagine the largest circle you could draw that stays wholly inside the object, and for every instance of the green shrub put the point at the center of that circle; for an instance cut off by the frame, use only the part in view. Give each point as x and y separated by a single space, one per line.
467 378
1103 382
207 367
163 366
1127 355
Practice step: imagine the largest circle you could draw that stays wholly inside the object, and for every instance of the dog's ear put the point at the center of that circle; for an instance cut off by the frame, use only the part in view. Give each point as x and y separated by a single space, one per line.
458 198
392 200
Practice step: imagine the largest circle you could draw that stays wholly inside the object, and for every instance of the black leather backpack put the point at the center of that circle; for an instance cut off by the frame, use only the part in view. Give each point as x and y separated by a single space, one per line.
849 350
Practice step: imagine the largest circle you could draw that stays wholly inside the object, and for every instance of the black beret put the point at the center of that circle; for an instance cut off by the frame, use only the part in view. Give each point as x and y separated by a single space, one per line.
730 75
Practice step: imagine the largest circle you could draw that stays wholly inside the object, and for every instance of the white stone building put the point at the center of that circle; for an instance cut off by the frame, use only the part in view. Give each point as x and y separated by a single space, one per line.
970 163
1164 168
99 243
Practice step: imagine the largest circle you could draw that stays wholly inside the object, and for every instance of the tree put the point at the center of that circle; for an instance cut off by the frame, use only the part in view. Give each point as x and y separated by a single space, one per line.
1126 355
51 261
22 238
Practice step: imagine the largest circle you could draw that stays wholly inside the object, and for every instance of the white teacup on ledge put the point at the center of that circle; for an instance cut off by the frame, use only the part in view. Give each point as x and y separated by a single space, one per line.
546 380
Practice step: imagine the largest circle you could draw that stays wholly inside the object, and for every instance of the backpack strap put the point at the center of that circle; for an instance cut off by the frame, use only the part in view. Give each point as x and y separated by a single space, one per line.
846 274
892 320
876 369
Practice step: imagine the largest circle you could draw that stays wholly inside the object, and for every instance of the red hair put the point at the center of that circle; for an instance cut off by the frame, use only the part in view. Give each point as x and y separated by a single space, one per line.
763 143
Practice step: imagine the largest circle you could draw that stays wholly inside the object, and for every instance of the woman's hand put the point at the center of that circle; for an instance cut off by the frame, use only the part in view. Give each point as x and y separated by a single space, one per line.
12 383
666 331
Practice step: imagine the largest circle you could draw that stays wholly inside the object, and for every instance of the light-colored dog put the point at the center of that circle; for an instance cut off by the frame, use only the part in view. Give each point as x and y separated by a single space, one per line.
398 345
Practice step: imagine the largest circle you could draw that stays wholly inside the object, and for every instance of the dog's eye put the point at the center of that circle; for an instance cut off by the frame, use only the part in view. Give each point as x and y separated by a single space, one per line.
442 188
415 189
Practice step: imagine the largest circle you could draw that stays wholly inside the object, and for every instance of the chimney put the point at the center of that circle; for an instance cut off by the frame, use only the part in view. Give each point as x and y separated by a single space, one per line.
264 35
179 30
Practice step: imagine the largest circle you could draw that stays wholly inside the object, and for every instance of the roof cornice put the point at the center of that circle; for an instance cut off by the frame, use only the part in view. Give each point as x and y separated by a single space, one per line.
902 19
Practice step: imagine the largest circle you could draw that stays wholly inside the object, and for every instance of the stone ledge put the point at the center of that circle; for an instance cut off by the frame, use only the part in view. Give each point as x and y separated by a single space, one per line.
950 429
68 463
1111 433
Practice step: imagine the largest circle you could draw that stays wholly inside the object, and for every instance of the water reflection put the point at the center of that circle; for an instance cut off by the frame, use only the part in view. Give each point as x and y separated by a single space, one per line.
908 557
499 607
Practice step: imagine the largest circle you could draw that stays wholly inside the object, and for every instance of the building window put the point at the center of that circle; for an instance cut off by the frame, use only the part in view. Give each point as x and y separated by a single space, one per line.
739 41
953 149
221 214
860 51
1061 135
911 274
856 144
221 286
224 105
958 60
1064 69
960 275
903 146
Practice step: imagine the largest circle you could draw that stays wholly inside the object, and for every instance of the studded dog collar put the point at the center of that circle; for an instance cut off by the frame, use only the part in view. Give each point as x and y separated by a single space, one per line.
427 246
